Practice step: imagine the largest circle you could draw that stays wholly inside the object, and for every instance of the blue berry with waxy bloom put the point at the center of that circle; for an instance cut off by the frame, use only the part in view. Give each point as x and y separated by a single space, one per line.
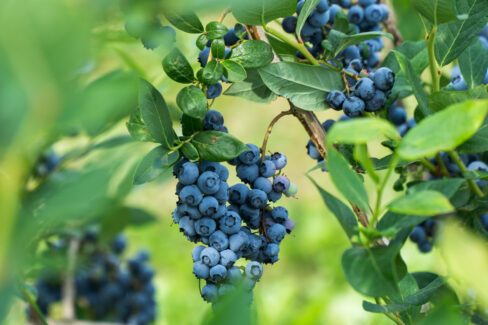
276 233
257 199
279 214
188 173
210 292
209 182
322 6
377 102
230 223
418 235
195 254
230 38
289 24
267 168
201 270
219 240
205 226
353 106
384 79
227 258
373 13
247 173
355 15
203 56
263 184
335 99
238 241
210 256
364 89
279 160
213 120
312 150
254 270
250 156
281 184
208 206
238 194
191 195
218 273
214 91
397 115
274 196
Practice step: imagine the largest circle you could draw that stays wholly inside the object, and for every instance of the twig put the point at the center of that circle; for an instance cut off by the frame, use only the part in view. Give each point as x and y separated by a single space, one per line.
268 132
391 25
68 290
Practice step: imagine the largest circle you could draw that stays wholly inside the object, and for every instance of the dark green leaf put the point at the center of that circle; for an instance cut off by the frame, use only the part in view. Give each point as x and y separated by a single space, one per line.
202 41
390 308
414 81
192 101
342 212
423 279
477 143
252 54
306 86
442 99
393 222
307 8
443 131
416 52
154 164
423 203
282 49
215 30
156 115
473 65
446 186
234 71
190 125
423 295
137 129
257 12
177 67
346 180
187 22
212 72
252 89
361 155
453 38
218 48
218 146
189 151
436 11
344 41
122 217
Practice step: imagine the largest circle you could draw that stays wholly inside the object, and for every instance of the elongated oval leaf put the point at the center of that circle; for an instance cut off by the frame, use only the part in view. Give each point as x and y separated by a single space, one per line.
177 67
192 101
442 99
234 71
189 151
443 131
187 22
218 146
423 203
257 12
218 48
253 89
436 11
348 40
212 72
252 54
346 180
304 85
473 65
307 8
477 143
190 125
155 114
361 131
153 164
215 30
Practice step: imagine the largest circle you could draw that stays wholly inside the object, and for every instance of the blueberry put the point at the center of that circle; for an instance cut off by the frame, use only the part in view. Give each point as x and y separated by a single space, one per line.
385 12
251 156
276 233
119 243
366 3
279 160
213 120
397 115
209 166
188 173
418 235
248 213
377 102
230 37
279 214
238 194
322 6
257 199
203 56
478 166
247 173
195 254
312 150
205 226
238 241
308 30
222 194
430 226
254 270
218 273
373 14
289 225
289 24
209 292
230 223
214 91
228 258
459 84
281 184
345 3
484 221
355 15
191 195
327 125
384 79
263 184
373 60
335 99
356 65
456 73
219 240
364 89
210 256
267 168
425 246
200 270
274 196
350 54
318 19
353 106
209 183
271 250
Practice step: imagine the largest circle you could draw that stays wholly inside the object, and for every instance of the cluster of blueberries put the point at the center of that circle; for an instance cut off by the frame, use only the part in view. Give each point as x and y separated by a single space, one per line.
212 213
234 35
457 81
107 287
365 16
423 235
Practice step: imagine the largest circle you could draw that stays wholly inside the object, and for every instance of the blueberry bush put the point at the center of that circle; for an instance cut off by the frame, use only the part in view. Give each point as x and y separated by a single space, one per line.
405 151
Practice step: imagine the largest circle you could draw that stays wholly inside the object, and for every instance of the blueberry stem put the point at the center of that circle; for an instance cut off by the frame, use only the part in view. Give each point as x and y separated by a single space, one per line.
381 188
33 304
472 184
269 129
441 164
432 61
430 166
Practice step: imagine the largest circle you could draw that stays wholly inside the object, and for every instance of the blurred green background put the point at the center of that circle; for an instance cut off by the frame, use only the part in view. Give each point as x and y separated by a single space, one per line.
49 51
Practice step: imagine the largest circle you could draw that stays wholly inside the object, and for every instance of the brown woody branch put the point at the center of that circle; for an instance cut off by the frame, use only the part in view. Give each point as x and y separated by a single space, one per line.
391 25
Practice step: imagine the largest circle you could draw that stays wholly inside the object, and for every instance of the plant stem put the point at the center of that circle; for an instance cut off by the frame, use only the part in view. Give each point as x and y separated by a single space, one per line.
442 166
427 164
298 46
33 304
268 131
472 184
390 315
434 72
380 190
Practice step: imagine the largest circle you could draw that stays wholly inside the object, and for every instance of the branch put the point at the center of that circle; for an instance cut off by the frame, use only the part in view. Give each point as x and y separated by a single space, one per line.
391 24
68 290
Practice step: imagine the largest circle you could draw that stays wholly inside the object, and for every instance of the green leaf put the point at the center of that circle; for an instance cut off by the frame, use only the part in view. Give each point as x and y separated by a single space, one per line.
424 203
137 128
202 41
189 151
394 222
306 86
258 12
436 11
384 309
416 52
190 125
253 89
446 186
212 72
361 131
177 67
215 30
477 143
218 146
218 48
234 71
122 217
361 155
442 99
344 41
453 38
346 180
252 54
192 101
423 295
473 65
187 22
342 212
414 81
282 49
154 164
307 8
156 115
443 131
